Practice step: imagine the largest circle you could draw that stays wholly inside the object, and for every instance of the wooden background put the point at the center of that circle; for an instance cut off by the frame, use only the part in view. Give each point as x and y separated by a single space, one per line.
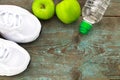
61 53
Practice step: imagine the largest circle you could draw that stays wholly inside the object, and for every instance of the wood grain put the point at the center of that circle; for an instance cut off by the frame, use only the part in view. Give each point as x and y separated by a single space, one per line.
61 53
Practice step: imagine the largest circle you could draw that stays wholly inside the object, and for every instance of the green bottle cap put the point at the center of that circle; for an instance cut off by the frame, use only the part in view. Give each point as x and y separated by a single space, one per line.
85 27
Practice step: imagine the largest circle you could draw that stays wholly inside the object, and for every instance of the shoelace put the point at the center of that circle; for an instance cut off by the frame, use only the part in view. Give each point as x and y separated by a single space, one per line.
4 53
10 19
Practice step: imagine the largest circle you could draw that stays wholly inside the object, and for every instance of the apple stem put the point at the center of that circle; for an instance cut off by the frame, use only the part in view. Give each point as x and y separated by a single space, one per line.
42 6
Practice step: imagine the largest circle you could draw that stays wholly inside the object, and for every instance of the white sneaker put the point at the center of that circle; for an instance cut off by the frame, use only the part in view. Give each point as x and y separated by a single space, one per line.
17 24
13 58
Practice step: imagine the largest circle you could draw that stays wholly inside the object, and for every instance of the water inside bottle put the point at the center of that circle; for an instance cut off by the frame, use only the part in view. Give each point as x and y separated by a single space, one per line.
94 10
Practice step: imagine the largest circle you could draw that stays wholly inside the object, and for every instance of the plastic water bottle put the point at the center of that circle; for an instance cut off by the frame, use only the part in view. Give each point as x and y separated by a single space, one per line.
92 13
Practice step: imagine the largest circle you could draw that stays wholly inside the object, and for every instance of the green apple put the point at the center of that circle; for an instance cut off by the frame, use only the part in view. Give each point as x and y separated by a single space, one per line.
43 9
68 11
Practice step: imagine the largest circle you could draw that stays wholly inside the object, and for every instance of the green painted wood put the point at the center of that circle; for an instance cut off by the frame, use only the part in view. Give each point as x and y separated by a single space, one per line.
61 53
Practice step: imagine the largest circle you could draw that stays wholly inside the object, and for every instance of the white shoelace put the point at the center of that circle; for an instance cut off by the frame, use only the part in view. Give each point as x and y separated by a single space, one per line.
10 19
4 53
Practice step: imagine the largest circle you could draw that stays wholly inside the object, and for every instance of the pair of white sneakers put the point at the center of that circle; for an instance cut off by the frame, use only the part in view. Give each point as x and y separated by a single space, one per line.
16 25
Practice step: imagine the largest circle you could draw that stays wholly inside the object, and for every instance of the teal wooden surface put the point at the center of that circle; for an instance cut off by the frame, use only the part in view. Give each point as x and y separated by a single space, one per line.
61 53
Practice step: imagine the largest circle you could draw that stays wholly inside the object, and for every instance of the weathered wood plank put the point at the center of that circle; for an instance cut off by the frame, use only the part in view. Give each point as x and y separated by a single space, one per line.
113 10
61 53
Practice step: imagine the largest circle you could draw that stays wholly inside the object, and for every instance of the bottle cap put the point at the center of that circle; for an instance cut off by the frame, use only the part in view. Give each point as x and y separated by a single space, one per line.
85 27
